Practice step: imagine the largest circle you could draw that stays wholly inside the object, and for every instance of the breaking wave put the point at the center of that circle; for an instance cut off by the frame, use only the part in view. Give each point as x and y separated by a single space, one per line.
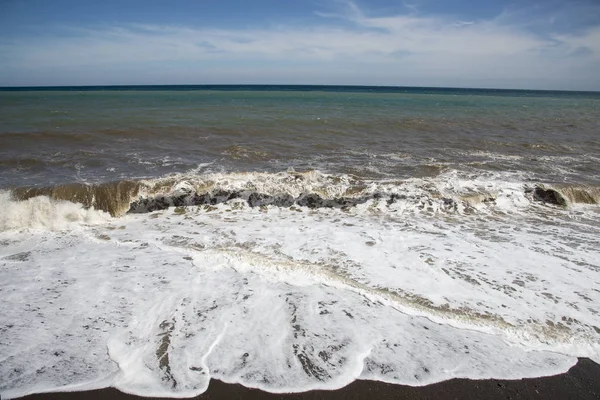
43 212
566 194
447 192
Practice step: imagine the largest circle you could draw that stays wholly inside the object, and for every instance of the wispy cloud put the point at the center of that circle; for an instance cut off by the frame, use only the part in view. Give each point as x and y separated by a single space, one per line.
398 49
463 23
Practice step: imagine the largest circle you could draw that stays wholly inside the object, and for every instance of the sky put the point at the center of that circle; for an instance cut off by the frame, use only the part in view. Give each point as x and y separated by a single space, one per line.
526 44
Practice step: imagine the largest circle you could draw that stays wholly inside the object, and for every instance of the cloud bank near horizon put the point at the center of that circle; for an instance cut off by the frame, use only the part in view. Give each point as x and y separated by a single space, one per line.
345 43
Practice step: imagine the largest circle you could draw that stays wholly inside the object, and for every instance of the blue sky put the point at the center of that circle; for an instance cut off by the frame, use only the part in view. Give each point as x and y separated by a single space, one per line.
544 44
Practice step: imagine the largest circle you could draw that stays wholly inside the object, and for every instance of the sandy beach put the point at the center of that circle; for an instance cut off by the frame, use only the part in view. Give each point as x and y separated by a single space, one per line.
581 382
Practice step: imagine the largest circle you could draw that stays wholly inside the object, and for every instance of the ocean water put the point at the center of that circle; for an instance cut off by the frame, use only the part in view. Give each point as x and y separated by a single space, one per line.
294 238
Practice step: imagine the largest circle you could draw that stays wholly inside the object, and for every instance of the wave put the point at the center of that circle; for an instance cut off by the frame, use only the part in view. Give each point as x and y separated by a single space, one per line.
567 194
447 192
43 212
112 197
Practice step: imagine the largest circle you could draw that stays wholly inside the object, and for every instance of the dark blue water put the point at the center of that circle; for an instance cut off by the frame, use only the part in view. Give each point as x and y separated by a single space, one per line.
318 88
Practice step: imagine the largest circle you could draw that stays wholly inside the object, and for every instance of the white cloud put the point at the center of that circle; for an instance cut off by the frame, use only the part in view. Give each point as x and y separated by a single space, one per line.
396 50
463 23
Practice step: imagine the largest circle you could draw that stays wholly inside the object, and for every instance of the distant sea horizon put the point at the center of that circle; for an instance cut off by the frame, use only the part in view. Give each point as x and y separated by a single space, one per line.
294 87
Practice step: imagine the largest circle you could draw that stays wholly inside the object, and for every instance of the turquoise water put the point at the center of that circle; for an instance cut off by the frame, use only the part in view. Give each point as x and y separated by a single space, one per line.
100 134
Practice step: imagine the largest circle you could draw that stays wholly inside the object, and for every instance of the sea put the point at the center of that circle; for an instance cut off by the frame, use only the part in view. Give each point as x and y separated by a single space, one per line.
291 238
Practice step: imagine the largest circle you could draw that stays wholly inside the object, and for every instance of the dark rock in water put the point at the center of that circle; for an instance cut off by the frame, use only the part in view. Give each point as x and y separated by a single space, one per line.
449 204
550 196
234 195
201 199
285 200
259 199
311 200
392 199
255 199
149 205
222 196
344 202
180 201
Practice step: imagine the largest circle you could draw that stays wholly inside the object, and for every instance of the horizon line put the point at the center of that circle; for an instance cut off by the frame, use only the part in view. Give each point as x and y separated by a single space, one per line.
233 85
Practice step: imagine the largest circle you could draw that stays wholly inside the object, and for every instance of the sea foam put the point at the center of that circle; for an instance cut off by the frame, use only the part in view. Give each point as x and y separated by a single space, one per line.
296 298
43 212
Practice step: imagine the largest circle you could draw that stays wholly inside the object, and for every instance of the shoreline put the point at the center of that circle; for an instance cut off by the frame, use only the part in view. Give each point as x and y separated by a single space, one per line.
582 381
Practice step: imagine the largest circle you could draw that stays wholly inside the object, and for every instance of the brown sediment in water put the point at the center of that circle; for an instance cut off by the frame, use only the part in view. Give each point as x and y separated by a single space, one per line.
563 194
112 197
579 194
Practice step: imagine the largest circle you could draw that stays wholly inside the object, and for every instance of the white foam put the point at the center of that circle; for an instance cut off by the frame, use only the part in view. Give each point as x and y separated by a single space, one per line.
296 299
292 183
44 213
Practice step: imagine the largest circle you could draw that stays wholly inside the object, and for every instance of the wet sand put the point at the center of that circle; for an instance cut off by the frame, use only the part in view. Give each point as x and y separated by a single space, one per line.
581 382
